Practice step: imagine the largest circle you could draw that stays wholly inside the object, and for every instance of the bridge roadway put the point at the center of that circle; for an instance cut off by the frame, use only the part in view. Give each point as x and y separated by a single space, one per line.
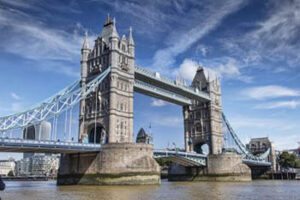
48 146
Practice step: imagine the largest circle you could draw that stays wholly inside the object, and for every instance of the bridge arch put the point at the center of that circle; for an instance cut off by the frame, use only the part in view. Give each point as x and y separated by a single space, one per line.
202 148
96 133
29 133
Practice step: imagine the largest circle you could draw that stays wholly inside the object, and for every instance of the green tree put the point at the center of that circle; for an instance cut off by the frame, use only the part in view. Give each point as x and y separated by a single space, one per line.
163 162
288 160
10 173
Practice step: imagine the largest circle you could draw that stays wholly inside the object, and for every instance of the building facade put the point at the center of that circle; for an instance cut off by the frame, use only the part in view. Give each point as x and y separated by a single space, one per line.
106 116
258 146
38 165
143 137
203 120
6 166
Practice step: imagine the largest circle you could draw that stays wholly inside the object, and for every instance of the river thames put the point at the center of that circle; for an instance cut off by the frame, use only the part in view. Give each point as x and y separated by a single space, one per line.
167 190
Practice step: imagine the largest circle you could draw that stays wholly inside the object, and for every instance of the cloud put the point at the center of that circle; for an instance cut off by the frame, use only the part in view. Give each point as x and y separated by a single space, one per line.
274 38
158 103
280 104
228 70
187 69
181 40
31 38
269 91
15 96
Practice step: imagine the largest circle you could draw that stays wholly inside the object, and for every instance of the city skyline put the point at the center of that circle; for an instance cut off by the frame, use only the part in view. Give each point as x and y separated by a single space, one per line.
257 60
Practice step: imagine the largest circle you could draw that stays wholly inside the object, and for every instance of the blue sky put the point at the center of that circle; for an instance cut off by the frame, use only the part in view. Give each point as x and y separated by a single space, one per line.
254 46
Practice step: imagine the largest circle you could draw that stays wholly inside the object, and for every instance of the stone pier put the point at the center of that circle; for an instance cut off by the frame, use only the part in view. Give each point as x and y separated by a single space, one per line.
116 164
222 167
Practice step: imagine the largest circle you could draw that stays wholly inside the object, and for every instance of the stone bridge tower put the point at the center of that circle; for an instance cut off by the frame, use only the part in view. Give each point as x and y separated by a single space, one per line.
203 120
106 116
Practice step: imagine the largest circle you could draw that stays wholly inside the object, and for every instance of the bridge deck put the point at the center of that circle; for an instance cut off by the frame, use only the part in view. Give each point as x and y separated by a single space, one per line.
20 145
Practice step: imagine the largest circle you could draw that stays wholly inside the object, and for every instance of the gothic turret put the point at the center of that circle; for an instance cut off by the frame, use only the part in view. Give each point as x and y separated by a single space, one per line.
109 32
84 58
130 42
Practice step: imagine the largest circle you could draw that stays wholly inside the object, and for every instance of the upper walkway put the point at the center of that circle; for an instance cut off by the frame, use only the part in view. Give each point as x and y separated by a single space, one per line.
157 80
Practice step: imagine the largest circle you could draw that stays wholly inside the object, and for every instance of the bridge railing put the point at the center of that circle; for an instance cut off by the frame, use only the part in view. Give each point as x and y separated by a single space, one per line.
46 142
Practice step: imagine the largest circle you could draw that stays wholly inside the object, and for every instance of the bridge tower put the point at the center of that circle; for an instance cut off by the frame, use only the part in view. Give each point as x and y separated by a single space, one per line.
106 116
203 120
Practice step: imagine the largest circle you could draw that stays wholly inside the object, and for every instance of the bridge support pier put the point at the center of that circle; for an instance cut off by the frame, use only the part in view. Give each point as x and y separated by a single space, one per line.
222 167
115 164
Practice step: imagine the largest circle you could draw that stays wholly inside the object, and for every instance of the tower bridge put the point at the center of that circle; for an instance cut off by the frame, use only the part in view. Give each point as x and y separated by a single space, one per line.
104 152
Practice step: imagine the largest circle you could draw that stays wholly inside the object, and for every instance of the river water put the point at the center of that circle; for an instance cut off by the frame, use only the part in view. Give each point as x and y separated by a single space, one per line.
167 190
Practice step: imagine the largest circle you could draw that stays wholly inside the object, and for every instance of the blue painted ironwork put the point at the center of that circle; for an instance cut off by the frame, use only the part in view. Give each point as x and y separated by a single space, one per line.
198 159
46 146
52 106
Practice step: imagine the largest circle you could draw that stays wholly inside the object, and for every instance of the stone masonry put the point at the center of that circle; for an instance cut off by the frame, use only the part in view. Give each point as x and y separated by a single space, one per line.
203 120
106 117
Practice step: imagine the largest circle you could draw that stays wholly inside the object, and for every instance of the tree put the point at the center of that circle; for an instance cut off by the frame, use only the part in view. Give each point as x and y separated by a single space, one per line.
287 160
10 173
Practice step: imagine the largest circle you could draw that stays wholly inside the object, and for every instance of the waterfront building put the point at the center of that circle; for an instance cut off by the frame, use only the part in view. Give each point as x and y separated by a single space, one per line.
6 166
258 146
38 165
143 137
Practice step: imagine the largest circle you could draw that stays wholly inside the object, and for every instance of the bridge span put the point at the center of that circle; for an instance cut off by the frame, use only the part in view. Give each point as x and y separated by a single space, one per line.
104 98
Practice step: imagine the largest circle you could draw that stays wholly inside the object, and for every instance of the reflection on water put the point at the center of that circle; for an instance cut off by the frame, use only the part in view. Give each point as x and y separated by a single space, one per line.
167 190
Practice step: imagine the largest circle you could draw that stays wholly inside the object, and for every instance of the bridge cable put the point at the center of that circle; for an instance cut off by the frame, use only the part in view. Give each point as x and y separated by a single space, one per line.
65 131
40 131
55 128
70 124
26 130
96 112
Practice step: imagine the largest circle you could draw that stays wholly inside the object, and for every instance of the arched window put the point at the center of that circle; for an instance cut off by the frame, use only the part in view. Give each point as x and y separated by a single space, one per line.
198 127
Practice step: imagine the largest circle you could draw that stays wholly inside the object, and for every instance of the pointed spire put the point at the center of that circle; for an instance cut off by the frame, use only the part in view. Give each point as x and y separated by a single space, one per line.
208 76
130 39
114 29
200 68
108 20
86 41
123 37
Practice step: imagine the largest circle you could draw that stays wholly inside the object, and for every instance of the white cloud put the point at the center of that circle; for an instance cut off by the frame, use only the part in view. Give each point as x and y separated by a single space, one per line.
181 40
158 103
274 37
280 104
31 38
15 96
269 91
229 70
187 69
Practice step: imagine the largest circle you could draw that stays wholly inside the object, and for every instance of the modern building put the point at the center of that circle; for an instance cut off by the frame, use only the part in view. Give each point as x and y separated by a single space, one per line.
143 137
259 146
6 166
38 165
